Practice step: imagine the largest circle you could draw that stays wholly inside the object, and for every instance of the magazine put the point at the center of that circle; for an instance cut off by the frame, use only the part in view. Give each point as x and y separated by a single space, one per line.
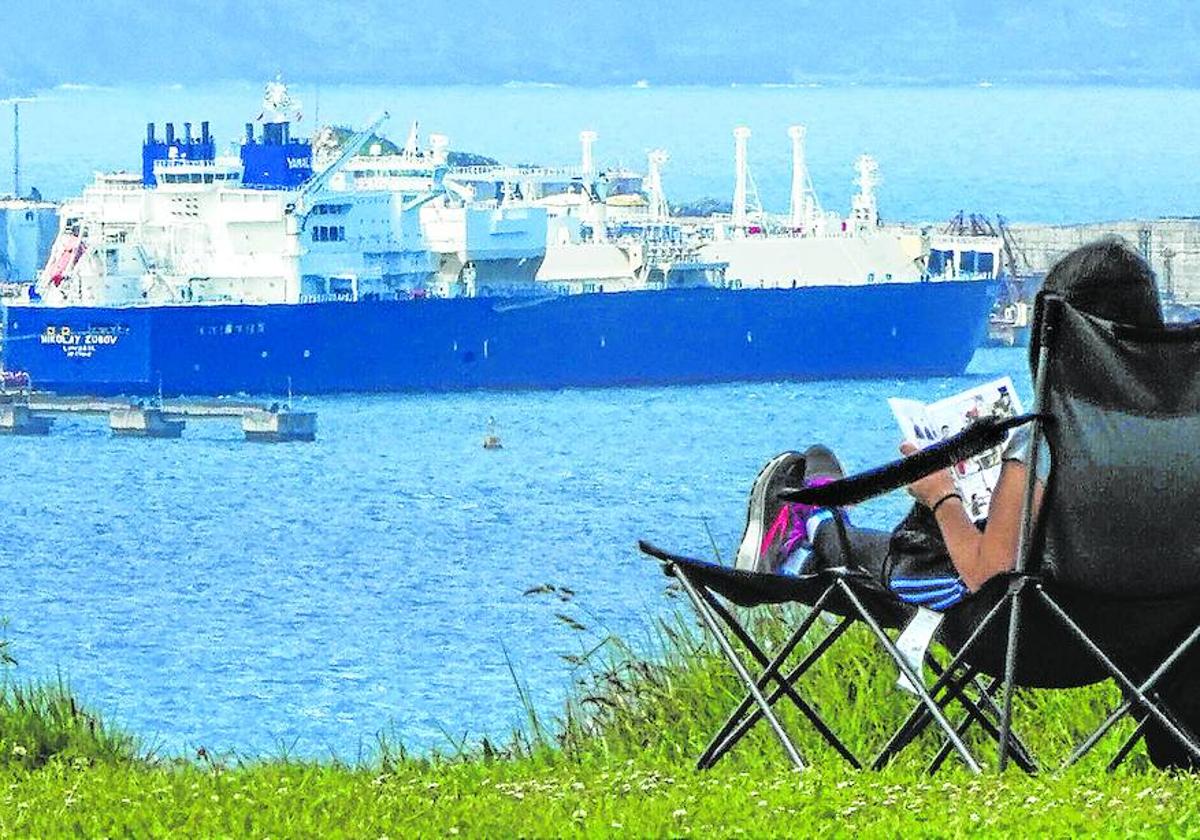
925 424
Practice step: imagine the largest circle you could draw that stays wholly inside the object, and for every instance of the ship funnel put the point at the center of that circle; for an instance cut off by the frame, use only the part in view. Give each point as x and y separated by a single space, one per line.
187 134
805 208
204 135
249 132
170 133
587 140
149 132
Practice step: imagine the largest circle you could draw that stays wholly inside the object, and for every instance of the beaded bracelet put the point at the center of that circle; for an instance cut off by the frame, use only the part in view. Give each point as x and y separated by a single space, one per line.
933 508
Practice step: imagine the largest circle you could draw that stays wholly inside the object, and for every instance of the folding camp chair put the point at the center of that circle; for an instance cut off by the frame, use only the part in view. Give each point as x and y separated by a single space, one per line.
847 593
1107 576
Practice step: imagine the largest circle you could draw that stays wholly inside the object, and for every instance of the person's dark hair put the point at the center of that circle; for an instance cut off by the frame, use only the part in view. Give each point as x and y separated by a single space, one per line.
1108 279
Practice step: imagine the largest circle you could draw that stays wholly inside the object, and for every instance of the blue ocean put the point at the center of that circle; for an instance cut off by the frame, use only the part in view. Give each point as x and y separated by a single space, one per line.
307 598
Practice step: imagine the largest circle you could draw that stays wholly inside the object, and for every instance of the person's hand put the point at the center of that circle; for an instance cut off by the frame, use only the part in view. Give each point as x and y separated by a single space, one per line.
931 488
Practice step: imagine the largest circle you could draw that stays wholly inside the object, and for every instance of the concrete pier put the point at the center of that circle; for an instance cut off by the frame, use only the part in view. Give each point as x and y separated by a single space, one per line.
279 426
144 422
30 413
20 420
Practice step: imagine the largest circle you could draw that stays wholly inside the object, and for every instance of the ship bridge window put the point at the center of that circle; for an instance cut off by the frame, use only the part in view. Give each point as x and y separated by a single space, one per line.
328 233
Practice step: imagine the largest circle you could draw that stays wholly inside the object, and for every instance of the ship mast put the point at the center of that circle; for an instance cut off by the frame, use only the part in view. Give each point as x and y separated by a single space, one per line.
865 207
16 149
587 139
656 197
805 208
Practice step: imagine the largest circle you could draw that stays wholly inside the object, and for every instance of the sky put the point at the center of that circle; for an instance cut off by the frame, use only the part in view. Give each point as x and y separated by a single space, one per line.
618 42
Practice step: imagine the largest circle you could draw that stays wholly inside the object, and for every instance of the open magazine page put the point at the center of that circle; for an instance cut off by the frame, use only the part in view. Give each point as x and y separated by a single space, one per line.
925 424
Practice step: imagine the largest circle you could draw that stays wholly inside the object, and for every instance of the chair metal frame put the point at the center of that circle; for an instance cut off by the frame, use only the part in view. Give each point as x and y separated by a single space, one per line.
757 705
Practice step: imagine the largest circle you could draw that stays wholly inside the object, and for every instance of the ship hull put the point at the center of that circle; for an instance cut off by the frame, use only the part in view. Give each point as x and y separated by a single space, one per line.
628 338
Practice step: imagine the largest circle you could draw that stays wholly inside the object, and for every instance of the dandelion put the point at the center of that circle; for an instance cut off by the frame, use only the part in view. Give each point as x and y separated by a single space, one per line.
679 813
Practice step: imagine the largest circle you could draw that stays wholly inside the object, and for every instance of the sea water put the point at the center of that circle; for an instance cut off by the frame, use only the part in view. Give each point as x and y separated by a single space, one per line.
307 597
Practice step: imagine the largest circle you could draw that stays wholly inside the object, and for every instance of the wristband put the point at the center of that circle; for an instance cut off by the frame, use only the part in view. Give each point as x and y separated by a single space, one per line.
933 508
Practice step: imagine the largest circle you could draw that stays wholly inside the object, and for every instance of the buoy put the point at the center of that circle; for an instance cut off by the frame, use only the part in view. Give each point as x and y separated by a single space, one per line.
491 440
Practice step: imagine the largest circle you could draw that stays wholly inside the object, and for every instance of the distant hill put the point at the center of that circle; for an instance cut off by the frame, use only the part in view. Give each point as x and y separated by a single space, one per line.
615 42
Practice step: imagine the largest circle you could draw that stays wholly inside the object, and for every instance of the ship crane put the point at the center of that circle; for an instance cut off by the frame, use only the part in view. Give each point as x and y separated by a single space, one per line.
320 182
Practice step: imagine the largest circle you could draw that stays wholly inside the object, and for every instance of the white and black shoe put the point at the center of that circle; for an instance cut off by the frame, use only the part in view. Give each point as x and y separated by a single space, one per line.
760 549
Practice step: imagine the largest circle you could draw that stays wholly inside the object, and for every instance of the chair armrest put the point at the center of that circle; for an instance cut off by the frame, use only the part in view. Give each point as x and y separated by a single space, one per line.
978 437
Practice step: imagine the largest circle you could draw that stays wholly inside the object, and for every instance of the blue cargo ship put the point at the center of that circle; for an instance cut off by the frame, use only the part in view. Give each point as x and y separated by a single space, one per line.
326 267
649 337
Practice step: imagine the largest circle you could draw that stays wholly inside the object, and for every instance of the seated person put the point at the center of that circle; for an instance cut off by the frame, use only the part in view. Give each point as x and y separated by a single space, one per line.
1105 278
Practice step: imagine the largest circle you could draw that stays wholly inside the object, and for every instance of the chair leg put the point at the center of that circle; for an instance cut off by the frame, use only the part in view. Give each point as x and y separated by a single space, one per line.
1152 708
739 724
710 621
736 725
1016 589
1124 707
944 751
888 645
707 757
785 686
949 687
902 737
977 712
1129 744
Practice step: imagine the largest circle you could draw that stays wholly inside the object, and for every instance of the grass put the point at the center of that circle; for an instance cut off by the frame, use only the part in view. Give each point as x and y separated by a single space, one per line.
618 762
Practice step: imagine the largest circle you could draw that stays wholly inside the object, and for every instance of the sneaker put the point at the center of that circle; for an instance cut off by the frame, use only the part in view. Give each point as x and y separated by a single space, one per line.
775 530
823 465
761 550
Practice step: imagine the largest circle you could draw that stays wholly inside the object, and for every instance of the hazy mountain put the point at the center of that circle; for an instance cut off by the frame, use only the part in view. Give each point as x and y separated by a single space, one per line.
612 42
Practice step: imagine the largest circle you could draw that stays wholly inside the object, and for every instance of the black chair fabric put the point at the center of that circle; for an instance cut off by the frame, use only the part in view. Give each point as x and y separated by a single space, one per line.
1122 509
752 589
